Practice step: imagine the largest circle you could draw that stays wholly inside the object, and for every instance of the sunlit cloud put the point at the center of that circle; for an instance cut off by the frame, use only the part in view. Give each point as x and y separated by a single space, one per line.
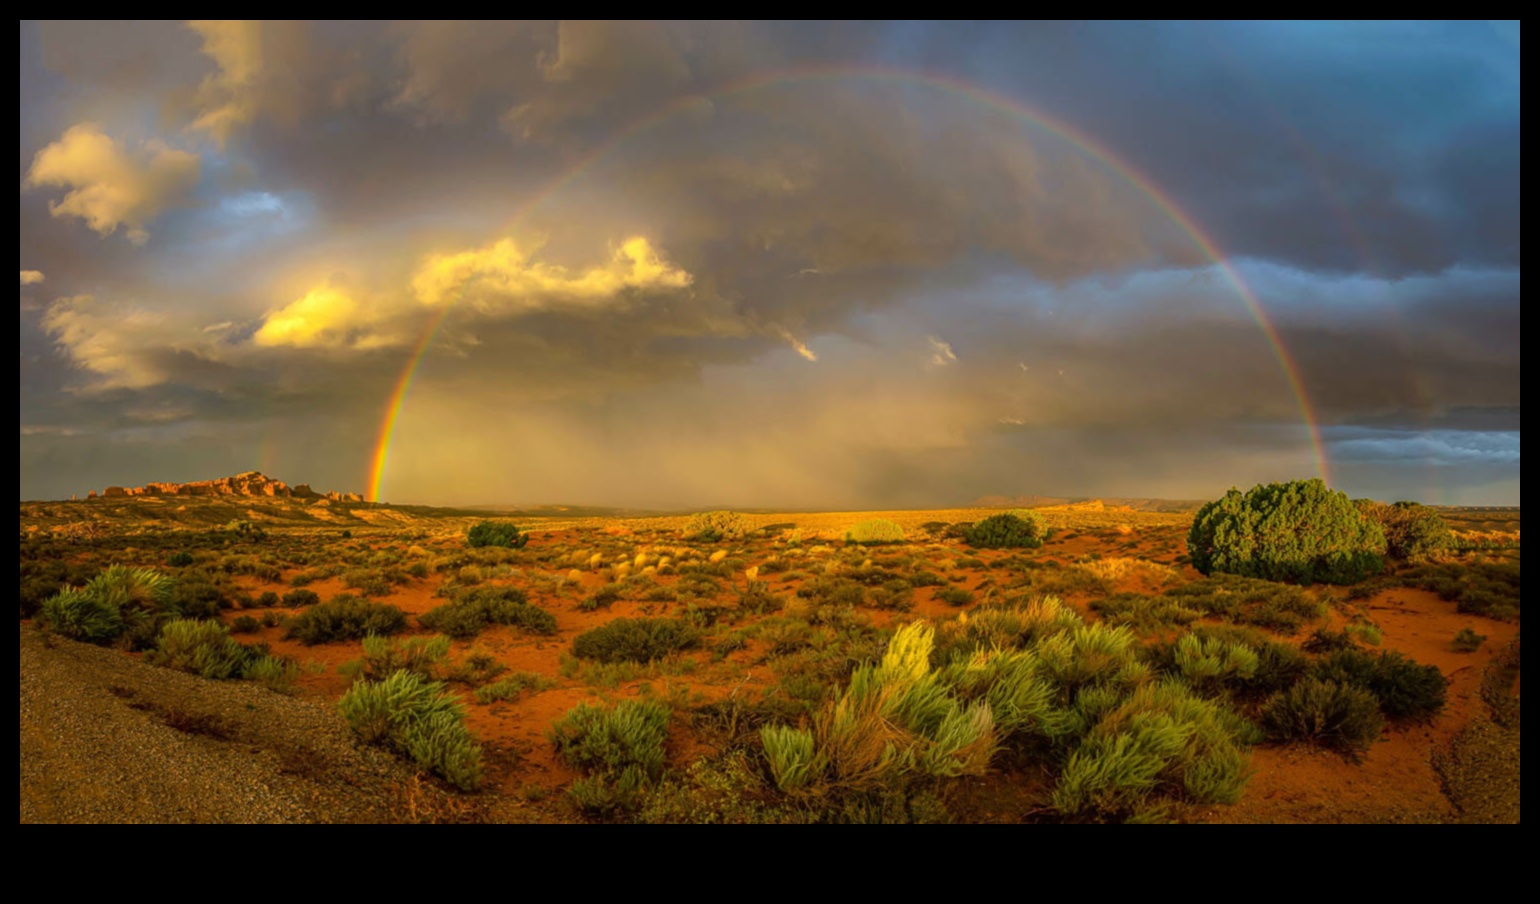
798 346
504 278
111 185
114 343
31 277
326 317
227 99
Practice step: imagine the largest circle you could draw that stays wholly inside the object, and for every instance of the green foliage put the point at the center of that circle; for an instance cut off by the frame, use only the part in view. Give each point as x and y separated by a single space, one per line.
1466 640
1405 688
1413 532
246 530
620 748
954 596
1144 613
345 618
635 639
610 741
268 599
245 624
180 559
384 656
874 532
419 719
510 687
201 647
79 615
272 672
473 610
117 601
1299 531
1208 664
1021 529
496 533
298 599
793 762
1327 713
1159 742
714 526
1279 607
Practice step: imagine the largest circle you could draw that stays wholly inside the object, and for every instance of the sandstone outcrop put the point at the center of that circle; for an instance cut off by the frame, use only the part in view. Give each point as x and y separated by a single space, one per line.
250 483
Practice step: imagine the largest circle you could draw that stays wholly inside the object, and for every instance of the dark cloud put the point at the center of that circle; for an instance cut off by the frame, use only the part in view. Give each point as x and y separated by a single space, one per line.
811 241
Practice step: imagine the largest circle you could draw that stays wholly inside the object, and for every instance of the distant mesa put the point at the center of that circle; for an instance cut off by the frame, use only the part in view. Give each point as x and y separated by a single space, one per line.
251 483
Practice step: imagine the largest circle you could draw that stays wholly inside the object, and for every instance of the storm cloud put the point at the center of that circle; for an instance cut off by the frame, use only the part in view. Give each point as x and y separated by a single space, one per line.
781 265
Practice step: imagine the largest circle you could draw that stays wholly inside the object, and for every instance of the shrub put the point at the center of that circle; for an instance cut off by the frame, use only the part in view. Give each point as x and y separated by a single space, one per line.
298 599
611 741
1412 531
245 624
1023 529
511 687
473 610
1279 607
201 647
1405 688
1299 531
180 559
635 639
954 596
1466 640
418 655
416 717
1211 663
793 762
267 599
272 672
1327 713
79 615
116 601
345 618
496 533
714 526
875 531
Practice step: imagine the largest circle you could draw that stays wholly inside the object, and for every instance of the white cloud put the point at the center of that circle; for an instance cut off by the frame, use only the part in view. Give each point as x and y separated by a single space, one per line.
31 277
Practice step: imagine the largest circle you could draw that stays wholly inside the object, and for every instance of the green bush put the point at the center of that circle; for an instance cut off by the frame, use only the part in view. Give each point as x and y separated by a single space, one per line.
1278 607
1327 713
1466 640
419 719
345 618
610 741
874 532
298 599
635 639
245 624
384 656
117 601
1412 531
1023 529
473 610
1299 531
714 526
1405 688
496 533
954 596
267 599
79 615
180 559
203 648
510 687
620 748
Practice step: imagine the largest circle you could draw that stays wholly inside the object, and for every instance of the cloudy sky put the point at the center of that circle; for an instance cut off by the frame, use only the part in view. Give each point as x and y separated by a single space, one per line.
779 265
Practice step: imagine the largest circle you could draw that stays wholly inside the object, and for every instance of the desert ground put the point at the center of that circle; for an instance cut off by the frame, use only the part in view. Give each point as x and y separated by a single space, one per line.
766 630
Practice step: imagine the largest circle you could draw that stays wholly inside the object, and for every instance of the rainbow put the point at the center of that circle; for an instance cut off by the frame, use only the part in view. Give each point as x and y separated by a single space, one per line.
939 81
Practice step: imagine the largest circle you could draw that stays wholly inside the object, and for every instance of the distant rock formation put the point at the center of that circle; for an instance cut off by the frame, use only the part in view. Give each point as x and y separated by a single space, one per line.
251 483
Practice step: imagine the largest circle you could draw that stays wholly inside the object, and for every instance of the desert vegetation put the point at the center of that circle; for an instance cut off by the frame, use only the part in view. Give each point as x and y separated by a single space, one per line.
1080 663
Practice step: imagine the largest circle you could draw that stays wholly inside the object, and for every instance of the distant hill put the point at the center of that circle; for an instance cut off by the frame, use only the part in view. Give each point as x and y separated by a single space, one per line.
1138 504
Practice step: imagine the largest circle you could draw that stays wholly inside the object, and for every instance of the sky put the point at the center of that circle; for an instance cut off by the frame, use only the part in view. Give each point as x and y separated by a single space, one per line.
777 265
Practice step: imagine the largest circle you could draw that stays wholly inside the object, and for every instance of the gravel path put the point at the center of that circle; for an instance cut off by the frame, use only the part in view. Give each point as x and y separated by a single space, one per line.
106 738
